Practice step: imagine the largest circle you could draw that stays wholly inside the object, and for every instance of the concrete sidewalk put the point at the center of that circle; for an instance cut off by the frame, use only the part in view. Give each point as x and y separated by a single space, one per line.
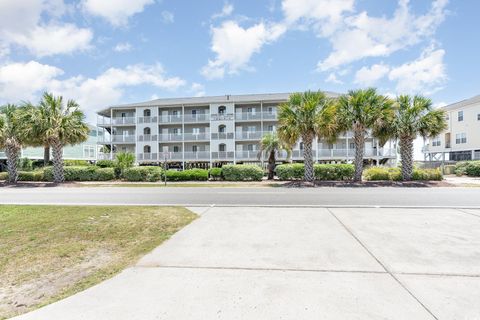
308 263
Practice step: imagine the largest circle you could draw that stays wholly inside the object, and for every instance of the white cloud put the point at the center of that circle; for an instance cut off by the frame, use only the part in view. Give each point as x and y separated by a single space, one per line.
424 75
325 15
116 12
368 76
21 81
26 81
226 11
197 89
167 17
123 47
332 78
33 24
366 36
235 45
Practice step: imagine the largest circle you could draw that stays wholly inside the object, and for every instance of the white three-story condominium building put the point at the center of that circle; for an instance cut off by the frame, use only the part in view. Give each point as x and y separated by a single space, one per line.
210 131
461 140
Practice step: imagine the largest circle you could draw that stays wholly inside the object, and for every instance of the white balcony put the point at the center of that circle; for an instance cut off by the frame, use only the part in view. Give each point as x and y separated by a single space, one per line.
247 155
117 138
123 120
170 137
245 116
147 119
147 156
222 135
222 116
223 155
200 117
170 119
147 137
199 155
250 135
201 136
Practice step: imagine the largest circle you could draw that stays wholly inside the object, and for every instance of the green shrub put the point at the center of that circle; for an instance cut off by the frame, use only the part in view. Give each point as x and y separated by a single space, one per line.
3 175
461 168
395 174
105 163
187 175
293 171
25 164
82 173
150 174
473 168
75 163
242 172
296 171
30 175
215 173
334 171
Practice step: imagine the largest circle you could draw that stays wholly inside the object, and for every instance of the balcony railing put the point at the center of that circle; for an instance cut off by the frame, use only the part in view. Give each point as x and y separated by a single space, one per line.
147 137
350 153
170 119
147 156
199 155
188 136
170 137
147 119
222 135
244 155
248 116
121 138
249 135
222 155
123 120
201 117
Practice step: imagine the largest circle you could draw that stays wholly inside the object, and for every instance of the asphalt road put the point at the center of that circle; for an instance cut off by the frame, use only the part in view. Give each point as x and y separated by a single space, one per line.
203 196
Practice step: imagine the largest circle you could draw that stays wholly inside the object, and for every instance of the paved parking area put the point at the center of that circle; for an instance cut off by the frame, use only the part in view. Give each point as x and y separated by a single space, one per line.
299 263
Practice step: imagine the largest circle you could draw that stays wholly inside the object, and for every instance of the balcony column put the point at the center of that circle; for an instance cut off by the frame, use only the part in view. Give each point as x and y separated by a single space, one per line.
183 136
348 147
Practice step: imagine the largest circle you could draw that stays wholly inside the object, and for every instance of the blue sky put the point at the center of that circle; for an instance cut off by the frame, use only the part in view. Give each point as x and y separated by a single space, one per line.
104 52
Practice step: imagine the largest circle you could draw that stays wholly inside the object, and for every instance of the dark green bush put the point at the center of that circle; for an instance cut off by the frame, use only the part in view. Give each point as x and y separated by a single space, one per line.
25 164
75 163
187 175
3 175
82 173
215 173
473 168
296 171
242 172
395 174
30 175
150 174
105 163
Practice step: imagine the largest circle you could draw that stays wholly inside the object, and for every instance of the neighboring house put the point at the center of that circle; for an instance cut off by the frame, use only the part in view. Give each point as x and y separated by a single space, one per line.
87 150
461 140
208 131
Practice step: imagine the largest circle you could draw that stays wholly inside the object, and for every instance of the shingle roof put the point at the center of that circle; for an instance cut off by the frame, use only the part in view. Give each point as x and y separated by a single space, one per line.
463 103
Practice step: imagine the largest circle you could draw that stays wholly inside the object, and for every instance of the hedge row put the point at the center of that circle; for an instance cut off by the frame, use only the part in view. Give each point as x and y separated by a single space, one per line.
187 175
469 168
395 174
242 172
296 171
82 173
149 174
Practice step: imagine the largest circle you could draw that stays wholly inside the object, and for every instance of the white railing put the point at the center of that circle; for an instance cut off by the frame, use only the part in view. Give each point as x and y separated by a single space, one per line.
170 137
222 116
147 156
199 117
147 137
222 135
189 136
199 155
248 116
147 119
476 155
249 135
246 154
222 155
122 138
170 119
123 120
350 153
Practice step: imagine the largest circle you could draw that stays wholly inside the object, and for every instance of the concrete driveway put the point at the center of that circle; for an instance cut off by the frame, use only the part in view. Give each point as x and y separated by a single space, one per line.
298 263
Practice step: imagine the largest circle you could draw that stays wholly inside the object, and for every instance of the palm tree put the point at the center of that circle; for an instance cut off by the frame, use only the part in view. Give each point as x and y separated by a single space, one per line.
415 116
303 117
56 125
361 111
271 145
11 138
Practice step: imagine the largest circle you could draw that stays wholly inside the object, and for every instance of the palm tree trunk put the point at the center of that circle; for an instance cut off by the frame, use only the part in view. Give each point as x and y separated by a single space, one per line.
359 139
307 155
57 149
46 155
406 156
271 165
12 153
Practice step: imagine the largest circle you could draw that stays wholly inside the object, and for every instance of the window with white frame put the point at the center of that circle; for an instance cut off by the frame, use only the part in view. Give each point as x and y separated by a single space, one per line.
250 147
460 115
89 151
461 138
436 142
195 131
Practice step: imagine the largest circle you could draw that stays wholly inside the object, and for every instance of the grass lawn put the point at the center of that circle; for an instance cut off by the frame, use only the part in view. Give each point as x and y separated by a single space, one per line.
50 252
